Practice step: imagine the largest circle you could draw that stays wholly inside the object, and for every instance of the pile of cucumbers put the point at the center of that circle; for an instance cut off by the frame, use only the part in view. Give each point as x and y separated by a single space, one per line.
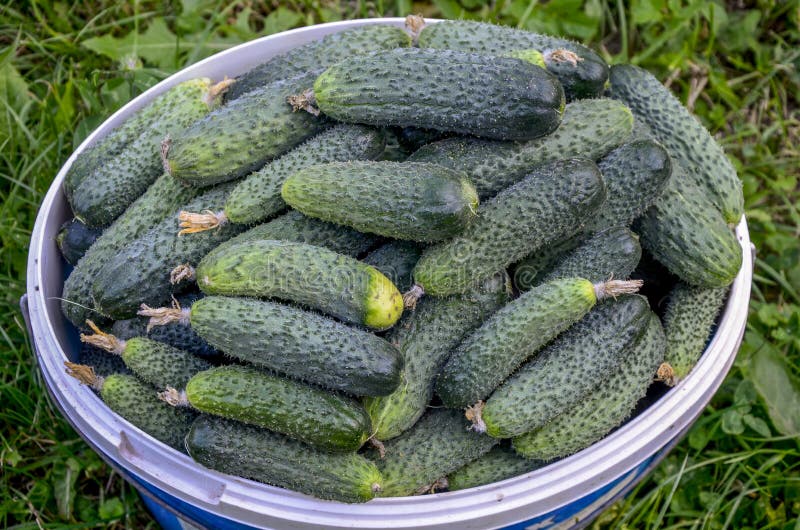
394 261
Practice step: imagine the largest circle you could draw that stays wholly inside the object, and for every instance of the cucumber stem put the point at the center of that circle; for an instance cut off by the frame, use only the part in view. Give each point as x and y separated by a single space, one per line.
666 374
614 288
377 444
182 272
191 223
161 316
174 397
166 143
473 414
305 101
105 341
85 375
411 297
562 56
414 25
216 90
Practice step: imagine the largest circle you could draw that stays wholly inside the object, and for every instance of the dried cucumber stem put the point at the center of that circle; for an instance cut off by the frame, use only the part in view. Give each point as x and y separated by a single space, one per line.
216 90
473 414
85 375
166 143
562 56
411 298
414 25
102 340
305 101
666 374
191 223
161 316
614 288
438 484
174 397
378 445
181 273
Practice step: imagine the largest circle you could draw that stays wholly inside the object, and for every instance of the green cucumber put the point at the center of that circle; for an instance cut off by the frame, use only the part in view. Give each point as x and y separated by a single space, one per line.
688 322
500 463
420 202
74 239
582 72
528 272
280 461
320 54
491 353
687 141
437 445
503 98
104 363
590 128
567 370
332 283
396 260
426 337
607 407
242 135
321 419
548 205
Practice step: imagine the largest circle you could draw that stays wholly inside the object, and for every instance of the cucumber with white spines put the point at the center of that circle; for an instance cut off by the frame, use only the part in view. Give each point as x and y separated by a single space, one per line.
500 463
396 260
74 239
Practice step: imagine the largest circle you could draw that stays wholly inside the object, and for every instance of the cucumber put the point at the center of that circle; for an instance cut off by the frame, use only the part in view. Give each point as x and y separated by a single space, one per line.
567 370
582 72
590 128
500 463
496 349
242 135
503 98
280 461
528 272
425 337
548 205
689 144
104 363
112 186
396 260
332 283
420 202
319 418
437 445
688 322
320 54
74 239
606 408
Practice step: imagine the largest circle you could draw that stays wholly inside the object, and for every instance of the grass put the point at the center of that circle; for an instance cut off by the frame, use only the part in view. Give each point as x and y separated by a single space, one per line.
64 67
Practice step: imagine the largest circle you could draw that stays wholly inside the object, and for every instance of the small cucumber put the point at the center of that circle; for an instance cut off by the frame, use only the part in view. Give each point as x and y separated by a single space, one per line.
500 463
607 407
396 260
319 418
74 239
280 461
491 353
438 444
104 363
548 205
335 284
590 128
503 98
420 202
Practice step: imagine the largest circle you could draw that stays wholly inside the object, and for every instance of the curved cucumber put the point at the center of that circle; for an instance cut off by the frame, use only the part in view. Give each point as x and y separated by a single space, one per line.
335 284
548 205
500 463
421 202
396 261
494 97
319 418
280 461
74 239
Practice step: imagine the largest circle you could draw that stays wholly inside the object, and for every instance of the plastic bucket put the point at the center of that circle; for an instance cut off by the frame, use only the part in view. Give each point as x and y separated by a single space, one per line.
565 494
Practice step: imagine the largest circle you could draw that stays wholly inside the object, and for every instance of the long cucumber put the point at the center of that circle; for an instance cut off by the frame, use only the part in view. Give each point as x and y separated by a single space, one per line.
500 463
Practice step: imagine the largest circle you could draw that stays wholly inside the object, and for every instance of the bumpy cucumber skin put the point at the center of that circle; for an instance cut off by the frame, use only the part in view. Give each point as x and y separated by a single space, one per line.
257 454
317 277
500 463
137 402
160 200
549 205
159 364
528 272
493 351
320 54
396 260
568 369
585 79
300 344
74 239
426 336
319 418
114 185
689 318
494 97
687 141
243 135
608 406
103 362
139 273
590 128
403 200
259 195
437 445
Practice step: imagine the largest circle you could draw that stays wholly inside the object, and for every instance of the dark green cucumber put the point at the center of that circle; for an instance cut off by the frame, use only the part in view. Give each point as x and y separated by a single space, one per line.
687 141
548 205
528 272
503 98
590 128
319 418
567 370
496 349
280 461
607 407
582 72
426 337
500 463
437 445
416 201
396 261
104 363
113 186
74 239
335 284
242 135
299 343
320 54
688 322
